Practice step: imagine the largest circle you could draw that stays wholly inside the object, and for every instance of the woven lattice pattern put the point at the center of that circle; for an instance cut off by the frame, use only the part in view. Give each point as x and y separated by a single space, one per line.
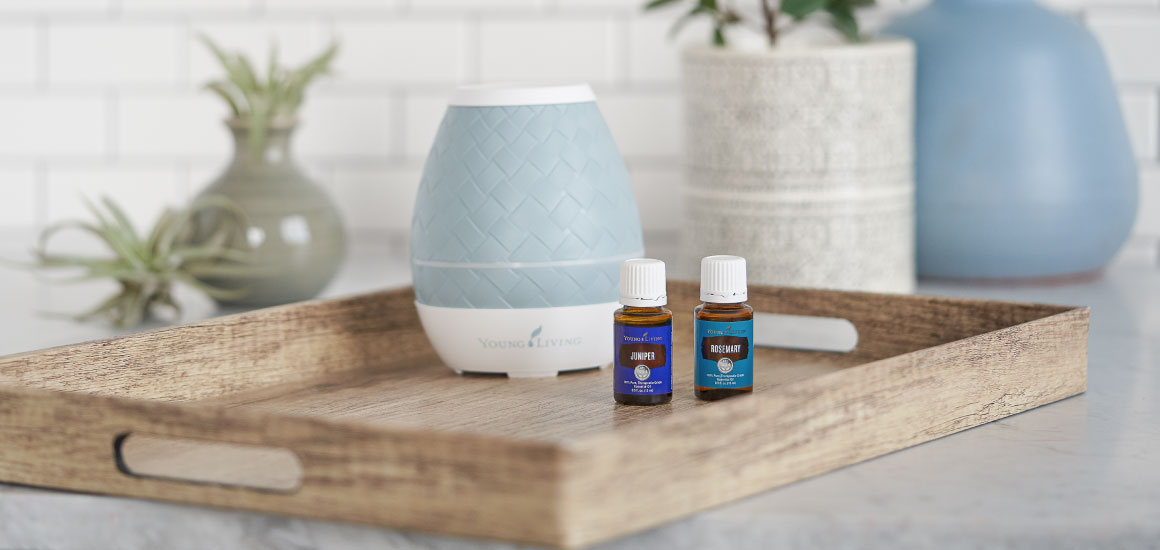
512 186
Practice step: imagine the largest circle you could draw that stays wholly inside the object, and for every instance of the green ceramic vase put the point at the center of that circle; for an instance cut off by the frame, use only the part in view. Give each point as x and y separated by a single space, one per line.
294 229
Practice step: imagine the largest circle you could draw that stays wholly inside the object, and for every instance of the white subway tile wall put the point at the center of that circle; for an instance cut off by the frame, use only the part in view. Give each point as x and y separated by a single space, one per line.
178 125
18 54
104 96
141 190
551 48
415 50
1131 39
113 53
52 126
1148 217
18 195
1142 117
297 41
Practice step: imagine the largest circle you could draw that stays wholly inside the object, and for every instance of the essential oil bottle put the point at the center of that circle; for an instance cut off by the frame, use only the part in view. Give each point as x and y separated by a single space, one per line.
642 364
723 328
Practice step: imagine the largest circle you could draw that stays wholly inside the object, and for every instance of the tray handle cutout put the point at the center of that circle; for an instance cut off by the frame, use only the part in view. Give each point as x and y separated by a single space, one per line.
804 332
273 469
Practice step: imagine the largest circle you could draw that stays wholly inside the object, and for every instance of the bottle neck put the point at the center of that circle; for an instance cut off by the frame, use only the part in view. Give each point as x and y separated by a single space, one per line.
269 148
719 306
643 309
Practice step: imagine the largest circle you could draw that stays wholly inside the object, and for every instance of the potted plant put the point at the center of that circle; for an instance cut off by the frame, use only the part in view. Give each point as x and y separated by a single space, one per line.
800 157
295 231
146 266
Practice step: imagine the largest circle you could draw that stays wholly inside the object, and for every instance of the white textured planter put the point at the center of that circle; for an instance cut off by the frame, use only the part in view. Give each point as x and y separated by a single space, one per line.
803 162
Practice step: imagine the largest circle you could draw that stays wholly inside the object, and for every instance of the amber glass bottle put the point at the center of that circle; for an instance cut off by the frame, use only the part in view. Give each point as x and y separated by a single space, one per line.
723 327
643 330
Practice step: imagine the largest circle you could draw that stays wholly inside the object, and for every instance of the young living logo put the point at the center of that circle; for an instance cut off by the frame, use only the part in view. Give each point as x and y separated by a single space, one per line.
533 341
727 331
642 338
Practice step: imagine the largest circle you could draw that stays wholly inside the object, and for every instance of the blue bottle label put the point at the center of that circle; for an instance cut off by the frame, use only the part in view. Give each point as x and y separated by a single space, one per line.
643 361
724 353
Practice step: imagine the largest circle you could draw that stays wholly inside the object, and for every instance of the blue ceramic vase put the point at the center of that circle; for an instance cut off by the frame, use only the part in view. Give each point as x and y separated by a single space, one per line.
523 216
1024 168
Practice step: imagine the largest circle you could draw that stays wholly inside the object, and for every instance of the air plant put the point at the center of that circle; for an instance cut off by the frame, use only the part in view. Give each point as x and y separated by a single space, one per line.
724 14
146 267
257 101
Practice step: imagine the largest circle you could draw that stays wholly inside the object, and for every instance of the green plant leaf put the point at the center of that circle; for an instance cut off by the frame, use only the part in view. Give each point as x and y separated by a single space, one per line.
207 269
259 119
208 202
123 221
153 243
248 77
235 73
259 101
842 18
45 260
132 310
211 253
219 238
213 291
683 20
50 231
230 216
272 67
105 307
800 9
122 242
214 49
146 269
723 14
120 273
321 63
165 299
295 87
223 91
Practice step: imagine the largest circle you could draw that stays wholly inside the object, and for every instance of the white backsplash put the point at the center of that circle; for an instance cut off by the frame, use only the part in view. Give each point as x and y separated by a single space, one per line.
103 97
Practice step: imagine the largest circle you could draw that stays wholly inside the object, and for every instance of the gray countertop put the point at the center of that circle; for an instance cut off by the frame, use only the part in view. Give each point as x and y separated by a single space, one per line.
1083 472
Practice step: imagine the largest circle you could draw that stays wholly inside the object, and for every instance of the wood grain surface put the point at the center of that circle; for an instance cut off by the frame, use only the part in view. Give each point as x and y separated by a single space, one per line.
385 434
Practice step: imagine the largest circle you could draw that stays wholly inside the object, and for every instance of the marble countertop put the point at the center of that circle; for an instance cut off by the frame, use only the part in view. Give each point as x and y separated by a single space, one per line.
1080 473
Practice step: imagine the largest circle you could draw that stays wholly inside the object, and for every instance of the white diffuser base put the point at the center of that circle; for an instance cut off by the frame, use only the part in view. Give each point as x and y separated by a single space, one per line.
522 343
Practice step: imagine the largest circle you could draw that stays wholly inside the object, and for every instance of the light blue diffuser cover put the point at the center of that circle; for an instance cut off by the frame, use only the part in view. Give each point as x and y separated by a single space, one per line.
523 216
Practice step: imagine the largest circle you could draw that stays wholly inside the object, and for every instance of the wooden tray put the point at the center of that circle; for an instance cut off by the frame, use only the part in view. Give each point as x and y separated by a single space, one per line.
339 409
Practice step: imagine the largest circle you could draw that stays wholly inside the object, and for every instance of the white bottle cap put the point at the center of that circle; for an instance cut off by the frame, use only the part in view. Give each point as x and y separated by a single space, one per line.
642 283
723 279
